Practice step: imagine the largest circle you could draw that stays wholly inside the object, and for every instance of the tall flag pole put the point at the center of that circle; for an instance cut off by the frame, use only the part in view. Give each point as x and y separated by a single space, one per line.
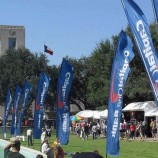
141 32
26 94
7 110
119 74
63 108
42 89
17 98
155 9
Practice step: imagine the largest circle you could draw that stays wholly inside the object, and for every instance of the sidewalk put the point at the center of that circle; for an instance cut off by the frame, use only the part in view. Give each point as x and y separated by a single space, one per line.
148 139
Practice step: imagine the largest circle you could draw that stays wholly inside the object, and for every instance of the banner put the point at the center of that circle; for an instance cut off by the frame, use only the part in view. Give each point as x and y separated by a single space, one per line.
119 74
42 89
17 96
63 108
26 94
141 32
155 9
7 110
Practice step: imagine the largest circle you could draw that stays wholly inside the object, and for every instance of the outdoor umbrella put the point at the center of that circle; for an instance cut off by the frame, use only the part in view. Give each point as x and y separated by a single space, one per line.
75 118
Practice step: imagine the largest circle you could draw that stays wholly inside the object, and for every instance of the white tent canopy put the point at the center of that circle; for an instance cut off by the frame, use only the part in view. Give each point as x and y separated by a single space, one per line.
153 112
104 114
130 106
92 114
141 106
85 113
96 114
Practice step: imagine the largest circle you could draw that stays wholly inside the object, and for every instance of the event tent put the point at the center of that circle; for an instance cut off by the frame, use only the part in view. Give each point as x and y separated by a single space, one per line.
140 106
85 113
92 114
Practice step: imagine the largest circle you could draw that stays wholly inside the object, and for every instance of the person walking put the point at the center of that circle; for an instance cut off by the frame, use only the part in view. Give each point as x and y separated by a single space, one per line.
14 153
45 147
48 133
43 136
77 130
154 130
132 131
86 130
142 131
127 134
94 131
29 137
151 127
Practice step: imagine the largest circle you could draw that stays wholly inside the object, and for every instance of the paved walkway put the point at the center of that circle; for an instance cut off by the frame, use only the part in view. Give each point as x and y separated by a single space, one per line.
148 139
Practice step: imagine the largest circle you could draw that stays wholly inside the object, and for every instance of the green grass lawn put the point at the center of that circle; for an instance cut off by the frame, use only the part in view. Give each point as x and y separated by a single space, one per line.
128 149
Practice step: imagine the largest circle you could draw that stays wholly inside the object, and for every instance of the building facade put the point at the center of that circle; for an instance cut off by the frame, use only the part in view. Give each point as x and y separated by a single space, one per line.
11 37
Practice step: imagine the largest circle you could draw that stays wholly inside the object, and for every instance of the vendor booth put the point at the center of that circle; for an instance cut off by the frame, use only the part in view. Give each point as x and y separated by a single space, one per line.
141 111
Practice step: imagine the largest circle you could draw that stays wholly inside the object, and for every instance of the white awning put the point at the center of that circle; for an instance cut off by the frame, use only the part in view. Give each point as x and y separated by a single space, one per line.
104 114
141 106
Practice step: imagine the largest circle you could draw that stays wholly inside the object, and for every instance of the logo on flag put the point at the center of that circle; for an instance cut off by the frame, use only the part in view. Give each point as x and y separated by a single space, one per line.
113 96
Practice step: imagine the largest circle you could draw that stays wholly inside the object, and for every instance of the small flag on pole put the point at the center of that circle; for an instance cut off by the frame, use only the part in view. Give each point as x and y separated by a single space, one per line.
48 50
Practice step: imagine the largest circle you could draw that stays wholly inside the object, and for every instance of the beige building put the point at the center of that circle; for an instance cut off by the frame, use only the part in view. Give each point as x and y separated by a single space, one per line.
11 37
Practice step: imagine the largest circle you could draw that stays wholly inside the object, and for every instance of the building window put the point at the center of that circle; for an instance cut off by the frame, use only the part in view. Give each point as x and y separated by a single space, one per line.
12 43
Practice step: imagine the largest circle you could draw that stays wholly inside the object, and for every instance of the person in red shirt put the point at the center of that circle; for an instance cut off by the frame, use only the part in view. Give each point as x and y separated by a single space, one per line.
82 124
132 131
26 122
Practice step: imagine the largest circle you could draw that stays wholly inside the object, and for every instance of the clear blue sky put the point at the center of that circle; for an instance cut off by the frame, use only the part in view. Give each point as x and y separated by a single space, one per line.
69 27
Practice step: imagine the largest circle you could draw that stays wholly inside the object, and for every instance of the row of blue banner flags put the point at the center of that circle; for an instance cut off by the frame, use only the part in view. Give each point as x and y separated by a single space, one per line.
17 117
63 107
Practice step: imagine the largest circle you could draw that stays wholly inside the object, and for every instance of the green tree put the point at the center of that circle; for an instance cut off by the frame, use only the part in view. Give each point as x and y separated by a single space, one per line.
20 65
100 64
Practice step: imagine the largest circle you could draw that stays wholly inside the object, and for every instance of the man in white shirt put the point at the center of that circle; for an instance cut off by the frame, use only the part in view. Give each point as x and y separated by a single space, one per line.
29 137
45 147
43 136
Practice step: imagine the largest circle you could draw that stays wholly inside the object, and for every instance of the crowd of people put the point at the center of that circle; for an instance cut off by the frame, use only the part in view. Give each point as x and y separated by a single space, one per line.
84 129
128 130
139 129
